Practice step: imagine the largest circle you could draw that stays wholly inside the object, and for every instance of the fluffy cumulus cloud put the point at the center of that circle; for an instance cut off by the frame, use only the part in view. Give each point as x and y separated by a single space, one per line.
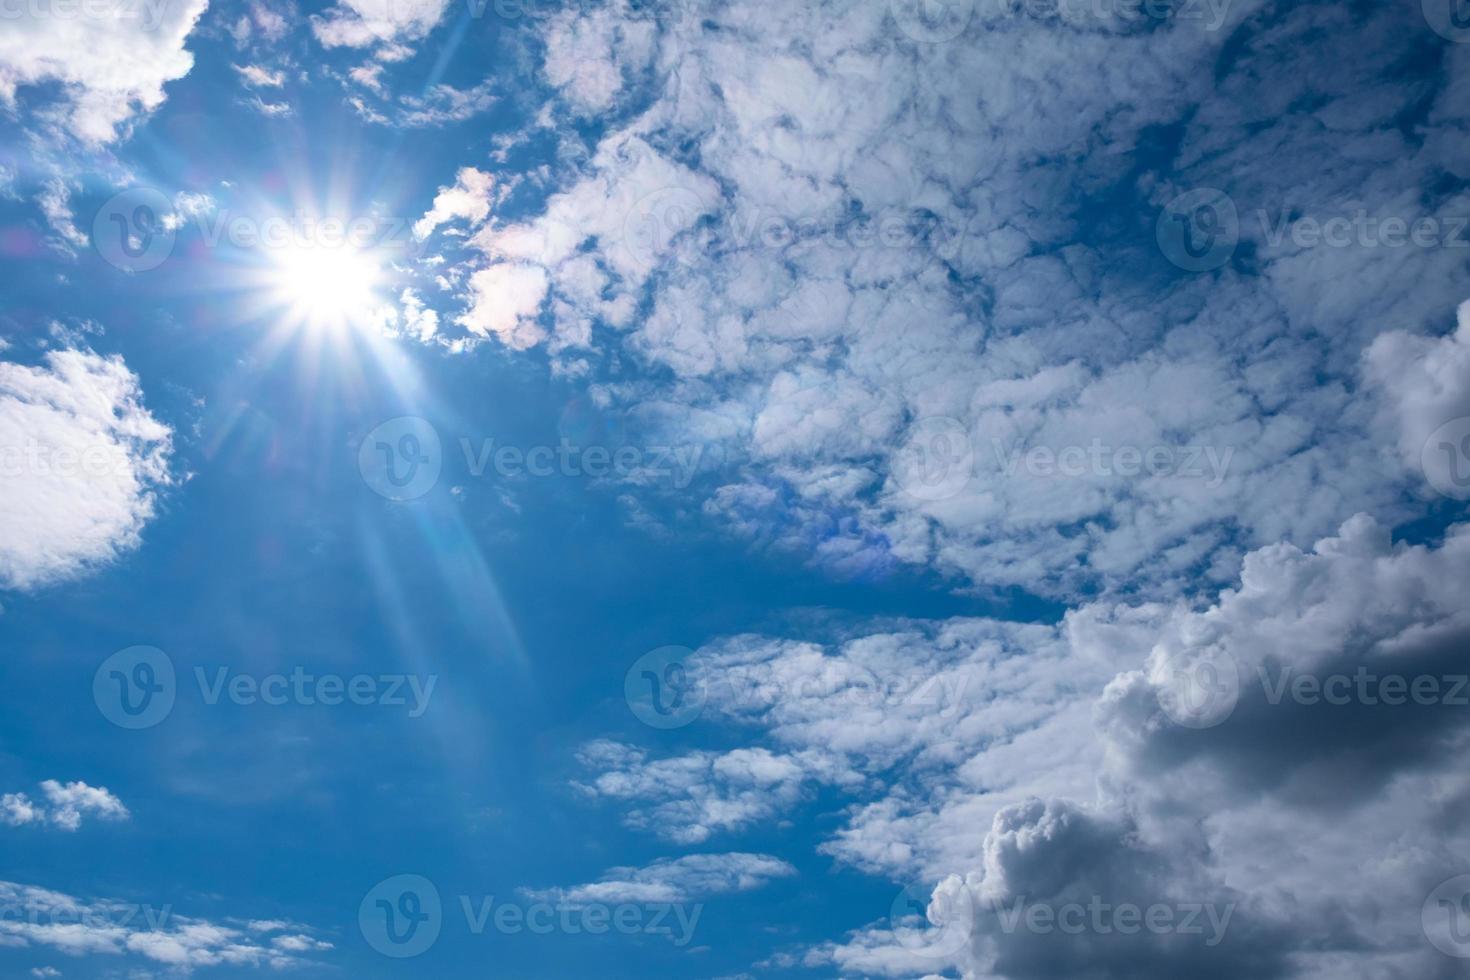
954 239
377 23
1264 785
64 806
103 63
143 934
1425 380
81 462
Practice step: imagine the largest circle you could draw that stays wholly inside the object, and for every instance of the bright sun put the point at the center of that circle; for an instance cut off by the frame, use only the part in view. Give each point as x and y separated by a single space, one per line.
326 287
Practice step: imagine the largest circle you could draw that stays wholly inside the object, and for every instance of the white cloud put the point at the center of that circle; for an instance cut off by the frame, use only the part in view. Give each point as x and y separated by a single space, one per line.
65 806
55 202
81 460
113 928
468 199
258 76
817 211
692 877
109 61
1425 382
366 23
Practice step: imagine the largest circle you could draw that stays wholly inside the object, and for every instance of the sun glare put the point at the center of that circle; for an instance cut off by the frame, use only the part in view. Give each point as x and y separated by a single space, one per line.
326 287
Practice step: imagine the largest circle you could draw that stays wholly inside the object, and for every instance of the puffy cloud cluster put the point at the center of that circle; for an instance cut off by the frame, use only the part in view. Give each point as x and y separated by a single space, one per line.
64 807
108 62
81 461
861 253
1069 769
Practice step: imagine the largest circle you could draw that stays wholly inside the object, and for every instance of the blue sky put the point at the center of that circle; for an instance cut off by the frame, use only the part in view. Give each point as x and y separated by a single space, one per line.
868 489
